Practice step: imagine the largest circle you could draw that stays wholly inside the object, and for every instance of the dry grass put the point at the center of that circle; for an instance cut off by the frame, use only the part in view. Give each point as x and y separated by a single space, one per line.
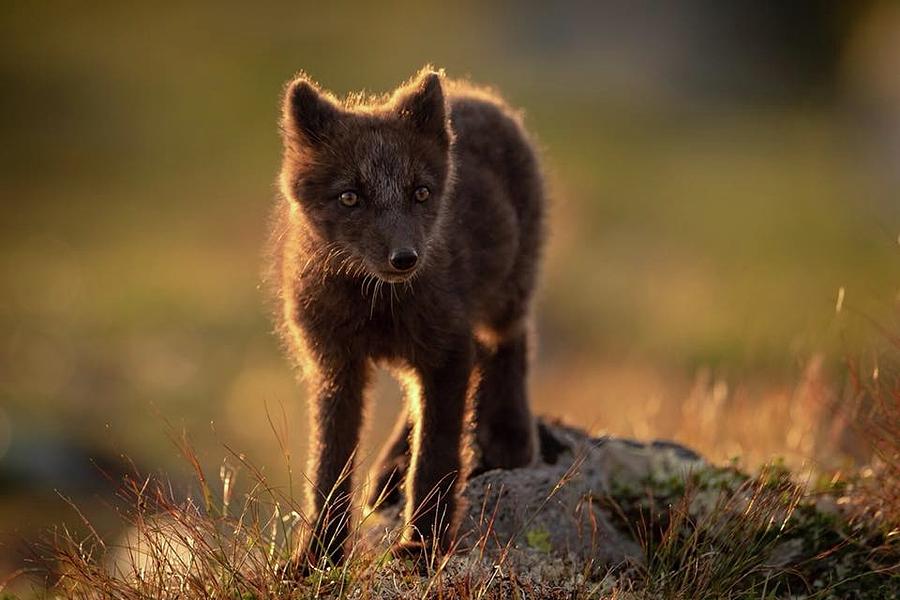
217 548
808 424
717 534
721 550
876 489
814 530
739 544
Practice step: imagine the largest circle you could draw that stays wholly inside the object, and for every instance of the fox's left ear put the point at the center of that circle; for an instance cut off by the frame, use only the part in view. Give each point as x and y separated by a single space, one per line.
423 105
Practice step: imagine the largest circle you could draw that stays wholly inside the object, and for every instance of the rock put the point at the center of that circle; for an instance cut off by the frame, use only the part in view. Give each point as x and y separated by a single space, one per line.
557 506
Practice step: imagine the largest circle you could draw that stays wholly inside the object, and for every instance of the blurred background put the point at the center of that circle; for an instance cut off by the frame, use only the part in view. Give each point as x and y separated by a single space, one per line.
725 184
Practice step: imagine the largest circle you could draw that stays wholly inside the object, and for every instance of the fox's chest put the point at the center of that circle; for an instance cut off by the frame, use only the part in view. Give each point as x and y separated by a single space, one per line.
385 324
408 329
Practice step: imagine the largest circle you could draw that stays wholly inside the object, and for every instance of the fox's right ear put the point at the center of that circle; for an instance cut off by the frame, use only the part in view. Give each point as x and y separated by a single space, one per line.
307 112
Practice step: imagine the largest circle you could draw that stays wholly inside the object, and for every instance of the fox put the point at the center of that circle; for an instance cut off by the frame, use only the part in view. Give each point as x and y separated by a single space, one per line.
407 234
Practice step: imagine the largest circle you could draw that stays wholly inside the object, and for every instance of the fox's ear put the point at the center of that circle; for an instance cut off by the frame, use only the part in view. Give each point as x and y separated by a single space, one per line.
307 112
423 105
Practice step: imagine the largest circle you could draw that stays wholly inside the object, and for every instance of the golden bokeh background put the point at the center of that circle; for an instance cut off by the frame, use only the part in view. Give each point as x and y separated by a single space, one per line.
718 172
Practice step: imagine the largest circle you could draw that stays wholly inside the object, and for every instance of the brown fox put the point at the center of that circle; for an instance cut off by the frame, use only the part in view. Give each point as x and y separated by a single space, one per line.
408 233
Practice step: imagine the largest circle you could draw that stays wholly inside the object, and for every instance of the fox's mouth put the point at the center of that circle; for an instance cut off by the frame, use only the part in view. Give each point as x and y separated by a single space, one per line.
395 276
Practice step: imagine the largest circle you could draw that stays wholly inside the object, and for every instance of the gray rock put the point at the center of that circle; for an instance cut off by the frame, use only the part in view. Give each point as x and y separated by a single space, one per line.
557 506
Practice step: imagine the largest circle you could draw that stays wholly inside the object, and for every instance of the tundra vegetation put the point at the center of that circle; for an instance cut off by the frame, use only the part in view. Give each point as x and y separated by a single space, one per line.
597 517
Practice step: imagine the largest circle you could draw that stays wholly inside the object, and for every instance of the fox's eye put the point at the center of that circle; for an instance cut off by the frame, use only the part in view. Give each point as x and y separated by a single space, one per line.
349 198
422 193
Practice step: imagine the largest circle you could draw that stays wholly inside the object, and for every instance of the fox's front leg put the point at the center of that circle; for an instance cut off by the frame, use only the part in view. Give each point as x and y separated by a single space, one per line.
336 393
437 470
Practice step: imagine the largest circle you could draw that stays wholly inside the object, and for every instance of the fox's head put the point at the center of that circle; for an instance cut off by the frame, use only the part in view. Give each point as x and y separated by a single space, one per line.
369 181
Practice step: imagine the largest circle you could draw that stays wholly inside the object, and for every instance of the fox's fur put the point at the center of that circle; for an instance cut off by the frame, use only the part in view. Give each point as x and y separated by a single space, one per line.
455 328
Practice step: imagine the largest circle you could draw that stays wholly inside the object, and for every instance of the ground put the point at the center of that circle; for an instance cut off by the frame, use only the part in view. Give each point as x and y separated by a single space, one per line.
596 517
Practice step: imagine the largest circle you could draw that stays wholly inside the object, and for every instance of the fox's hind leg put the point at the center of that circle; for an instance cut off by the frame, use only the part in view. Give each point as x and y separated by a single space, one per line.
504 424
505 427
391 466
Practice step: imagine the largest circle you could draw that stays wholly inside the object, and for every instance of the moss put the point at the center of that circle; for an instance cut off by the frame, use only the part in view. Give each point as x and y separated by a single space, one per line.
538 539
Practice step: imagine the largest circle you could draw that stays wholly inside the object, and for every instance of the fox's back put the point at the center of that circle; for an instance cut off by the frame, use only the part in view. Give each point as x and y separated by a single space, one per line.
498 201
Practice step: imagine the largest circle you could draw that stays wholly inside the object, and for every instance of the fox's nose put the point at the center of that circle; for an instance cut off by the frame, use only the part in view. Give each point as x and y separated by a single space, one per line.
403 259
